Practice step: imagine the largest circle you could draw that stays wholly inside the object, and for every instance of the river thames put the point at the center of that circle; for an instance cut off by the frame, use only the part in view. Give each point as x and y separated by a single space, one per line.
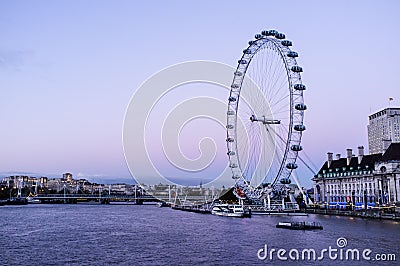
147 235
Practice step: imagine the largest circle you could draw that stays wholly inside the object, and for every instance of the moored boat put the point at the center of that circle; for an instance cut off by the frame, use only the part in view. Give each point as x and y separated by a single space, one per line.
228 210
32 200
300 225
163 204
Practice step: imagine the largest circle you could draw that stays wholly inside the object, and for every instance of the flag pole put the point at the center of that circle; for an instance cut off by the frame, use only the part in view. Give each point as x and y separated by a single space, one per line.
390 99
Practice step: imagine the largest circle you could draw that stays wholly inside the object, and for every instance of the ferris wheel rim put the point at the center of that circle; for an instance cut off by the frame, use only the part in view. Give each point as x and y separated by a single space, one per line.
293 138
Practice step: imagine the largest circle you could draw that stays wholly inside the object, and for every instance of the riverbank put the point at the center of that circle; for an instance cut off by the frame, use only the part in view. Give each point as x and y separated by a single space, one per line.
371 214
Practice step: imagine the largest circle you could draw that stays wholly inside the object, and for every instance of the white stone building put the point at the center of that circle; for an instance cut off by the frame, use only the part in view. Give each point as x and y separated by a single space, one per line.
355 180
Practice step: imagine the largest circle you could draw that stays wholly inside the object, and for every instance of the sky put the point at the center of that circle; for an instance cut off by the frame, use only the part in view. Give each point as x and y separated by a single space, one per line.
68 70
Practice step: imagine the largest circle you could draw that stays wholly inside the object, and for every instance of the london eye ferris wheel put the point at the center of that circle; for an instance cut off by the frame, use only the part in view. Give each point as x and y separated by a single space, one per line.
265 116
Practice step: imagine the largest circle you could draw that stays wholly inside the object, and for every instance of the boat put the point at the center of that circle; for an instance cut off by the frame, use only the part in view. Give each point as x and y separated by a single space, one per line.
32 200
228 210
300 225
163 204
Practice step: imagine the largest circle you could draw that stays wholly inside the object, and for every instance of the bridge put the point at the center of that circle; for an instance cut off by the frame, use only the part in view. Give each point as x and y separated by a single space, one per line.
104 198
107 198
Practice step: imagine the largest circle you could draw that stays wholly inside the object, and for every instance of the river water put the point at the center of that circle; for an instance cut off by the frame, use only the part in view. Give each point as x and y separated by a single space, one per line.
147 235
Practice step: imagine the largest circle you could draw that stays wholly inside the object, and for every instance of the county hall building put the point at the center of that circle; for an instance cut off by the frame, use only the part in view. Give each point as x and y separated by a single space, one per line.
361 180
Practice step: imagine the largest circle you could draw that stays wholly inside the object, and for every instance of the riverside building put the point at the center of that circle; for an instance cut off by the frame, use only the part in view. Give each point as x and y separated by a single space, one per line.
359 181
363 181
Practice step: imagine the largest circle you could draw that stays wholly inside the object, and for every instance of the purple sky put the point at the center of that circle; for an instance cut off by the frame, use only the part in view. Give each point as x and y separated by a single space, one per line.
69 68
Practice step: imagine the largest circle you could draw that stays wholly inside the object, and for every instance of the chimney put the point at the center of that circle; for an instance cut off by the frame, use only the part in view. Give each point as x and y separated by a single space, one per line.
349 155
330 159
338 156
360 153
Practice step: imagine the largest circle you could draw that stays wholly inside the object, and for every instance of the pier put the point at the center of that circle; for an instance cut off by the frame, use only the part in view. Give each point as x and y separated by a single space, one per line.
196 209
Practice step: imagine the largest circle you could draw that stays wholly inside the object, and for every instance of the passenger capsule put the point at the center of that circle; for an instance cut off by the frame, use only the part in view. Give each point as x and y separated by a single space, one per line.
230 113
230 140
300 127
235 177
296 148
286 43
232 99
229 126
234 86
273 32
230 153
280 36
247 51
297 69
233 165
258 36
265 32
242 61
291 166
299 87
251 42
300 106
292 54
285 181
238 73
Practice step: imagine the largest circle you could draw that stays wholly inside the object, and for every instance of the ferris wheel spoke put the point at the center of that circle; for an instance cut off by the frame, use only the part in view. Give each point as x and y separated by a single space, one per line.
280 100
279 112
276 164
275 86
